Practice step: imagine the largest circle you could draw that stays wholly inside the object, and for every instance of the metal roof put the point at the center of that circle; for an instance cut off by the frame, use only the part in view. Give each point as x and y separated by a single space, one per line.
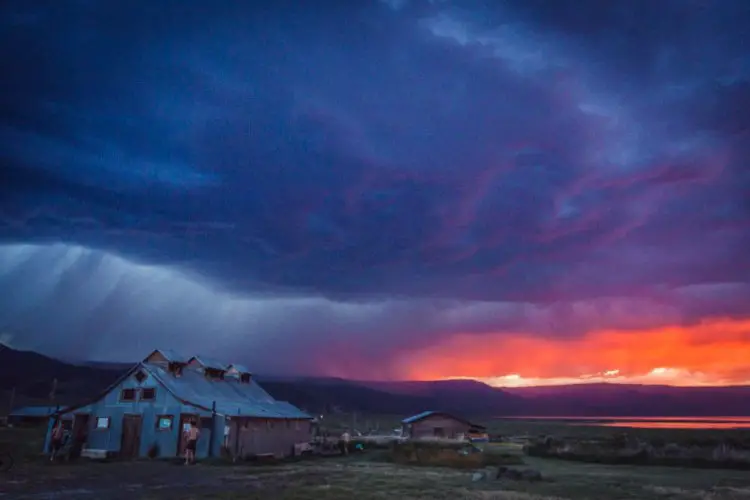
210 363
34 411
173 356
232 397
239 368
425 414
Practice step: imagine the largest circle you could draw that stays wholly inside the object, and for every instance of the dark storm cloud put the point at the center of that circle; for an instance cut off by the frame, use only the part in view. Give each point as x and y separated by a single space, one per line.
411 169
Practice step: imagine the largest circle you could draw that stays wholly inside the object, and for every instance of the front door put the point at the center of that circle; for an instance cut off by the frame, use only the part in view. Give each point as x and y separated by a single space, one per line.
80 433
131 436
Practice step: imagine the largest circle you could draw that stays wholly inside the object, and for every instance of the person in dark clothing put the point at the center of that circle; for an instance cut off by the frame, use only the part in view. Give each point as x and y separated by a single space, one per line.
56 442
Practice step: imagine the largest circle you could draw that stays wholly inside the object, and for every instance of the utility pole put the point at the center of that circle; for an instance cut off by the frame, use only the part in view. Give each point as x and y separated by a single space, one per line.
53 392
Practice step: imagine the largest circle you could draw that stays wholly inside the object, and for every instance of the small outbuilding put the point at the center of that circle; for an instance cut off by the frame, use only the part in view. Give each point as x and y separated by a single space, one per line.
31 415
146 411
437 424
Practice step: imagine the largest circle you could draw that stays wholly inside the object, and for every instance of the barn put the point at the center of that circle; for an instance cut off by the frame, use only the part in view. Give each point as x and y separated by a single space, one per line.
146 410
437 424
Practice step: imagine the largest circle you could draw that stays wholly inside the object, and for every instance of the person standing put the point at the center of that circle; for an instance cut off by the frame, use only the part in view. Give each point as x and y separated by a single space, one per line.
56 443
191 436
345 440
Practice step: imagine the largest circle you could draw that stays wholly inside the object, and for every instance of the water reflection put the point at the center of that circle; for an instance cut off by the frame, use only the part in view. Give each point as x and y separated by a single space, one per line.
649 422
675 424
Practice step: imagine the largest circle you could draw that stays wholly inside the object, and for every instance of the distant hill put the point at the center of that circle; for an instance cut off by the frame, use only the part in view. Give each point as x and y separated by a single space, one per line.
32 374
331 396
465 396
631 400
586 400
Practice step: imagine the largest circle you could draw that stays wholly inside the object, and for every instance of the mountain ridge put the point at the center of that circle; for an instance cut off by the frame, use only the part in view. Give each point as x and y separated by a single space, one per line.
77 382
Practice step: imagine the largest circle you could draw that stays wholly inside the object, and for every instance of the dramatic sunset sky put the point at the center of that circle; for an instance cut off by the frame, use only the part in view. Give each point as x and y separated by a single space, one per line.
522 192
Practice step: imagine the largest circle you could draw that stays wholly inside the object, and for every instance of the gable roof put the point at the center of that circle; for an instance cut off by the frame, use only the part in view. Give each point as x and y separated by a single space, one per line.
231 397
240 368
429 413
207 362
173 356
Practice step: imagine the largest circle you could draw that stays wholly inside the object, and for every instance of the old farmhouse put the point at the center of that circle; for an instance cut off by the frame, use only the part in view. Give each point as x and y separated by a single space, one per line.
436 424
145 412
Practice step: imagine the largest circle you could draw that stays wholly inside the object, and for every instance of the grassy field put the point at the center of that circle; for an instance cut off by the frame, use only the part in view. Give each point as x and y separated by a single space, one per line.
358 477
371 475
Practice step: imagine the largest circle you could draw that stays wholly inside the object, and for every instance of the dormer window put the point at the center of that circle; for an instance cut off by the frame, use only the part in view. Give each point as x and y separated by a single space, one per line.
175 368
213 373
245 378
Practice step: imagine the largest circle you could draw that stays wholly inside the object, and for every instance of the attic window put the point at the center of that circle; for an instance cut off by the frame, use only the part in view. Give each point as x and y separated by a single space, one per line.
148 394
245 378
127 395
140 376
214 373
175 368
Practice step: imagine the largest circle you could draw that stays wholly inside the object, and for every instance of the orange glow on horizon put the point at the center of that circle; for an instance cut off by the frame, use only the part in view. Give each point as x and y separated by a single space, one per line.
713 352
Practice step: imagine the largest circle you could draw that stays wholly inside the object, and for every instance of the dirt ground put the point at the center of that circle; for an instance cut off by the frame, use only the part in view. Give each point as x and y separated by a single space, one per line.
361 479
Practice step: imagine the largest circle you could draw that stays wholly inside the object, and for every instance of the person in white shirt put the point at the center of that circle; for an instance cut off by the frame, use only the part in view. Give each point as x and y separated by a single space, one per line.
345 440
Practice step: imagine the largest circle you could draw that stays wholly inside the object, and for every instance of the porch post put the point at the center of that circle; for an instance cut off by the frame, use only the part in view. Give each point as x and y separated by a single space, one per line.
213 430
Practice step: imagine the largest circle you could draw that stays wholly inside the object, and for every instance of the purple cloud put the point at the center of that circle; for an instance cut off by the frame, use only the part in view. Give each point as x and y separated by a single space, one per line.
369 176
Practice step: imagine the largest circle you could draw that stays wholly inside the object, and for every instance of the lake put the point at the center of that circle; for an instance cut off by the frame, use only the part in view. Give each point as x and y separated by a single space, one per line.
649 422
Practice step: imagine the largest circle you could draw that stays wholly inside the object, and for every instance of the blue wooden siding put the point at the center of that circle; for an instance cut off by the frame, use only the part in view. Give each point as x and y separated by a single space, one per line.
164 404
189 392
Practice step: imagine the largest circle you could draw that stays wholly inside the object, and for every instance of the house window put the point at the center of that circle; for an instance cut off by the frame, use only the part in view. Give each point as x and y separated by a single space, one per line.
175 368
213 373
102 423
127 395
148 394
164 422
140 376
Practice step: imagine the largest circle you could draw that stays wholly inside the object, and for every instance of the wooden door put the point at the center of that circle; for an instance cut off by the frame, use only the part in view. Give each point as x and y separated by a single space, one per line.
80 433
131 436
185 419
